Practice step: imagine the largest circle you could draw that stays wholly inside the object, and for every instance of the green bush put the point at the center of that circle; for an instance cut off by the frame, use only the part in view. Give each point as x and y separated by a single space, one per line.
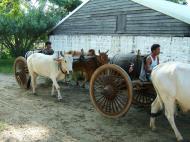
4 52
4 55
6 65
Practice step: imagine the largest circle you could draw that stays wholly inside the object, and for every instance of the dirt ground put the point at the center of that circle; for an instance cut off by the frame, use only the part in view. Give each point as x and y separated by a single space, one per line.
28 118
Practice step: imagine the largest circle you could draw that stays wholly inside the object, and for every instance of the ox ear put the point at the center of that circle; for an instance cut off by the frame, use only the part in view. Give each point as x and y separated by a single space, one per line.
107 51
56 60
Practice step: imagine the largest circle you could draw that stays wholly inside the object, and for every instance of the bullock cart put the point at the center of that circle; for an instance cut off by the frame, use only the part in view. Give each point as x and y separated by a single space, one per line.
21 70
113 87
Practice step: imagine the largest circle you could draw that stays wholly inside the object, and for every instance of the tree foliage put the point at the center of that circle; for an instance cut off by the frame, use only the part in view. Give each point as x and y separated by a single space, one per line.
19 29
22 24
69 5
179 1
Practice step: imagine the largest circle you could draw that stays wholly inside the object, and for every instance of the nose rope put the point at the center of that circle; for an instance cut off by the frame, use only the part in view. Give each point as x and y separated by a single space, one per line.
60 67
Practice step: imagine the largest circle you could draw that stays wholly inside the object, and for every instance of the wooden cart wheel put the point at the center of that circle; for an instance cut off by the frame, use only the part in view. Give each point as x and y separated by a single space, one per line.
111 91
144 99
21 72
143 95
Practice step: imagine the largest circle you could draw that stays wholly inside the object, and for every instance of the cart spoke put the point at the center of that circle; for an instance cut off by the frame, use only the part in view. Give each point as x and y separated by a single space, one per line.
104 103
118 104
101 98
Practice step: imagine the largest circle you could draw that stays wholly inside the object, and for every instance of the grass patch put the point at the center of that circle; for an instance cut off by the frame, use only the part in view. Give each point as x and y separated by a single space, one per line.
6 66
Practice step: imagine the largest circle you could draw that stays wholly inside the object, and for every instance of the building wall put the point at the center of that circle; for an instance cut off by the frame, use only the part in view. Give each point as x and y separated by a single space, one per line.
173 48
121 17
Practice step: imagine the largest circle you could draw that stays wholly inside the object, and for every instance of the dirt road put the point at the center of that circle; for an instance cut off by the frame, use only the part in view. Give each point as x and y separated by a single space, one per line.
28 118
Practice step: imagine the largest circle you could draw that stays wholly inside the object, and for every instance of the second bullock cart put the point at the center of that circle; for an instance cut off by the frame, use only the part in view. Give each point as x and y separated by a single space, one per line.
113 87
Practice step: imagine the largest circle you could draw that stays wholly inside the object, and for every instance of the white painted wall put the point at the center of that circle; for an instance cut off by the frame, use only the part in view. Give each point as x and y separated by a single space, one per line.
172 48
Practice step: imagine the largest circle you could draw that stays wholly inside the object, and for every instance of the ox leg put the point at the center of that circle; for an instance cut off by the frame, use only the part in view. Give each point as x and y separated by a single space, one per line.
33 79
53 90
75 78
170 106
155 108
57 88
85 80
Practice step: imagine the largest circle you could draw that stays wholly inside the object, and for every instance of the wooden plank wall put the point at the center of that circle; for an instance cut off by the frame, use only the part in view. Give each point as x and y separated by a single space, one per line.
121 17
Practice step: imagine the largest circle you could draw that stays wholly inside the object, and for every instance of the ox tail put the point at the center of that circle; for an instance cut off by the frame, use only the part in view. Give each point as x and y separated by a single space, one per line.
28 83
154 79
158 98
161 104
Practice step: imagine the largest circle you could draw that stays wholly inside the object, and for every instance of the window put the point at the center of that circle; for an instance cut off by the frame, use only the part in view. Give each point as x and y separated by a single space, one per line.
121 23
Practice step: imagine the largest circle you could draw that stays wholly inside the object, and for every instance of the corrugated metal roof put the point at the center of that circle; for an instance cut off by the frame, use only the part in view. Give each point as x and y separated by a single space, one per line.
177 11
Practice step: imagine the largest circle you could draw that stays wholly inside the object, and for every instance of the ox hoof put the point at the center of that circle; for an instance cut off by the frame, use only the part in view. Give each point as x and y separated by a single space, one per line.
53 96
35 94
66 83
154 129
59 100
77 84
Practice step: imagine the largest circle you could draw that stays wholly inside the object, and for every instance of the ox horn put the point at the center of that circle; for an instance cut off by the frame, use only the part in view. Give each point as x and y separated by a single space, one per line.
107 51
61 53
99 51
82 51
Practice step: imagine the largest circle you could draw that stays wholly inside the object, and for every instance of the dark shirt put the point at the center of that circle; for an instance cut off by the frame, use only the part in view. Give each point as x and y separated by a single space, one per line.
48 51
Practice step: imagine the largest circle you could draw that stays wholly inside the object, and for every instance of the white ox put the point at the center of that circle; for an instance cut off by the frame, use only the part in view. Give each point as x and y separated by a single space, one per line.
50 67
172 82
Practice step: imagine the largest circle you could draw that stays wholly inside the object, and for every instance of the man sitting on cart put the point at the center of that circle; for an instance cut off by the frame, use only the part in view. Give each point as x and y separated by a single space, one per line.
48 49
152 60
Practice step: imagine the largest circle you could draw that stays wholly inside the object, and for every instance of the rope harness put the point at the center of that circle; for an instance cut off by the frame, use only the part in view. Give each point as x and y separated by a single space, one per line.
60 68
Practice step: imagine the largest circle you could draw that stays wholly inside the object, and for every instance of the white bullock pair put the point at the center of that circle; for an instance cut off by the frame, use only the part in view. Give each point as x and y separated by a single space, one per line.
51 67
172 84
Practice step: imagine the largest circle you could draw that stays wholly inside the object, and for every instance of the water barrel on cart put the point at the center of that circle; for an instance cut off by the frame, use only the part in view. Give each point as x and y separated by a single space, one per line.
125 60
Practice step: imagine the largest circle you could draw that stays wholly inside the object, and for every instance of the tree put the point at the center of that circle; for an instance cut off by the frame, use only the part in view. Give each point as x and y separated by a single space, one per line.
23 24
19 29
179 1
69 5
60 7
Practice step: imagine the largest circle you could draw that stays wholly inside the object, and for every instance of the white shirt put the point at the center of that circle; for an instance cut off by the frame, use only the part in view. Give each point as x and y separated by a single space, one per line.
154 63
